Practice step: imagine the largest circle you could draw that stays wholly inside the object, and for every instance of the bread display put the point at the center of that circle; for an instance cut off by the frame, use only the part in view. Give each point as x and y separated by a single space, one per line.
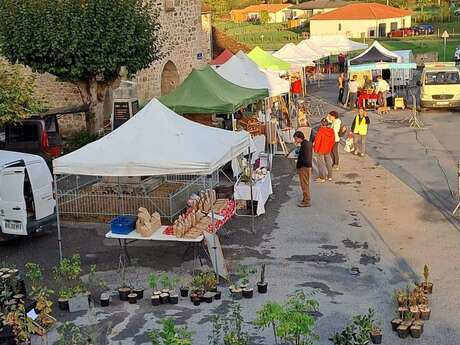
147 224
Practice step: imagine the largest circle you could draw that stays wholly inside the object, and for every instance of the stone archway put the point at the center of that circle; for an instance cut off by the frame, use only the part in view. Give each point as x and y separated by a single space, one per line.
169 78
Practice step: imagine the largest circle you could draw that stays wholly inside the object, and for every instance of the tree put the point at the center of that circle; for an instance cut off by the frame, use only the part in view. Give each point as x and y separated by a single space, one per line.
85 42
264 17
17 99
422 4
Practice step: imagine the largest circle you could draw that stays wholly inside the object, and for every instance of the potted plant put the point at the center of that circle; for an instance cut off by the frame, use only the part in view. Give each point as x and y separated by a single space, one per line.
165 283
153 284
376 334
426 285
197 287
363 324
173 296
104 299
395 323
425 312
132 298
262 285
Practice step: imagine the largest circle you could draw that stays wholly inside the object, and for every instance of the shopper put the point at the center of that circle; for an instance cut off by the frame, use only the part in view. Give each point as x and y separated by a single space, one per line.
359 130
336 124
304 164
341 59
341 85
352 92
322 146
382 91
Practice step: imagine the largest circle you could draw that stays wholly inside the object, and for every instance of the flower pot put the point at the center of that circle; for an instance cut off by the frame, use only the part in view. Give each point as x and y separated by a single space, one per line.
63 304
184 291
207 297
155 300
248 292
218 295
164 298
425 313
193 296
173 299
262 287
415 331
376 338
196 302
394 324
165 291
420 323
403 331
237 294
105 300
139 293
123 293
415 312
132 298
231 288
427 287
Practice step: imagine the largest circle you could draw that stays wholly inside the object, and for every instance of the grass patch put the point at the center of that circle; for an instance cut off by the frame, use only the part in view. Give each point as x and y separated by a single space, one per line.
425 46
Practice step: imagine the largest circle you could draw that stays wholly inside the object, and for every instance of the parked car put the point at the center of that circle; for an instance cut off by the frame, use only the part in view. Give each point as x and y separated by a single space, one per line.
37 135
440 85
457 54
404 32
424 29
26 194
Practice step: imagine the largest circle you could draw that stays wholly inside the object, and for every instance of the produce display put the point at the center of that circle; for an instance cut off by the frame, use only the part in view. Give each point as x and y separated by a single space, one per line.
147 224
257 175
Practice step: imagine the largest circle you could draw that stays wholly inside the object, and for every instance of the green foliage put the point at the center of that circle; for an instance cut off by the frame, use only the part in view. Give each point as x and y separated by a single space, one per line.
170 334
234 334
153 281
214 338
358 333
204 281
67 275
70 334
244 272
79 40
78 140
34 274
264 17
17 99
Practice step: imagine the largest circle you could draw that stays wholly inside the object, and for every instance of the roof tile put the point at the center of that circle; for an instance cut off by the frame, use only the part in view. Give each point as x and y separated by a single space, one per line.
356 11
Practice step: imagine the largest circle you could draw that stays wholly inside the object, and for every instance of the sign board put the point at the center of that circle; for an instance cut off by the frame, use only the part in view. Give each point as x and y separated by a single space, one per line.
199 56
120 114
135 107
445 34
215 254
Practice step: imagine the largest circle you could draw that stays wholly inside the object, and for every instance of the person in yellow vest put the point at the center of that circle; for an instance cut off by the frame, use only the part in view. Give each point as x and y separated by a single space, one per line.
359 130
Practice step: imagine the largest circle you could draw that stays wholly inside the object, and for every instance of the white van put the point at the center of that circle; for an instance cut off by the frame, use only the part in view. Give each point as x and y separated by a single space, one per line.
440 85
26 194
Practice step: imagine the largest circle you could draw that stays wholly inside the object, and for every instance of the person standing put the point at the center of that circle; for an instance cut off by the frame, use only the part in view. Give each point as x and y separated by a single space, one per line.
341 62
341 85
352 92
359 130
336 123
322 146
382 91
304 164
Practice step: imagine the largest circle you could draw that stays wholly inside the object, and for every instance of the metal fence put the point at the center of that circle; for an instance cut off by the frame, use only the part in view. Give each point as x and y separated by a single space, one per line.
86 198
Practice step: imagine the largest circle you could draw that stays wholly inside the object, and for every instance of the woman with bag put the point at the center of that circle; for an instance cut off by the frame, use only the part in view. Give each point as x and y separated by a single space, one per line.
339 130
322 146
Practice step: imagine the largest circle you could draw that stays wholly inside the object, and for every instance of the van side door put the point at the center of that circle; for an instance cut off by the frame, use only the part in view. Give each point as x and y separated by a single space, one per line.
13 212
42 189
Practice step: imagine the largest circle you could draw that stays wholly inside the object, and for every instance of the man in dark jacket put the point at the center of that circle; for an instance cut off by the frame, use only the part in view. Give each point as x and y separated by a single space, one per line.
304 164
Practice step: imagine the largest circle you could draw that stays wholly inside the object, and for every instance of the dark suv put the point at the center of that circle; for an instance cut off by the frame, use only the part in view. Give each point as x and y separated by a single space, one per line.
37 135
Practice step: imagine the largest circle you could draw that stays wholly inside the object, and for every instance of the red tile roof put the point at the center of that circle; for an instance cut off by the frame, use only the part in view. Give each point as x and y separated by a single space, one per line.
358 11
222 58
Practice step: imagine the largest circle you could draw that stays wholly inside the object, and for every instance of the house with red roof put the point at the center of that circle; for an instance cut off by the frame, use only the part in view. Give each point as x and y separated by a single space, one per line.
360 20
277 13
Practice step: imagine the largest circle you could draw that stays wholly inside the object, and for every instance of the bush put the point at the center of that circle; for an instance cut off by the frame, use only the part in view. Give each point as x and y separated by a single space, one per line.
78 140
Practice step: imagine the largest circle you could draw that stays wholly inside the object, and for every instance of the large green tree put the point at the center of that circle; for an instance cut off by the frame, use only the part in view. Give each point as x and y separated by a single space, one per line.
82 41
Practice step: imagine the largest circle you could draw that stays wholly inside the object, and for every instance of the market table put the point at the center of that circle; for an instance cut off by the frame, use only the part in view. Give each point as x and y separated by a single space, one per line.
366 97
262 190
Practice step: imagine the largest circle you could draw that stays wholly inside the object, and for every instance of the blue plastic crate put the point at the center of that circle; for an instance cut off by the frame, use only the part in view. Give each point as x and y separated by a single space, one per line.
122 225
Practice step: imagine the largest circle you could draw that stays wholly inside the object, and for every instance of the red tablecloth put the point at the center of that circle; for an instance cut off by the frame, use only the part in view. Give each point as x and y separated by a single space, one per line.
365 96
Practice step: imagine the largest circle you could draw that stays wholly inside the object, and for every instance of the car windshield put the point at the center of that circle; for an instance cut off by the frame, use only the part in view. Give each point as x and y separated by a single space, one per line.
442 77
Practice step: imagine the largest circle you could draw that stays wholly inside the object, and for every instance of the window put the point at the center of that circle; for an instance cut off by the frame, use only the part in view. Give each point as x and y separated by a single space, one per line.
26 132
442 77
371 33
340 27
394 26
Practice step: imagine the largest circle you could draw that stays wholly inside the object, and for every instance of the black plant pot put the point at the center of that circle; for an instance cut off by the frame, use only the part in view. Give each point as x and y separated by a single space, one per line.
132 298
214 289
63 304
123 293
248 293
262 287
218 295
376 338
173 299
184 291
156 300
164 298
196 302
237 294
139 293
105 301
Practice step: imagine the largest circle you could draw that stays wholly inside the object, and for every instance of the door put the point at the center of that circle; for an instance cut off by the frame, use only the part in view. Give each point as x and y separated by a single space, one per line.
382 29
13 212
42 189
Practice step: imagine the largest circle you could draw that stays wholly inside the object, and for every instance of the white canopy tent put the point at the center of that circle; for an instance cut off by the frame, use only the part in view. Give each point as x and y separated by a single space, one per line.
312 50
156 141
242 71
336 44
294 55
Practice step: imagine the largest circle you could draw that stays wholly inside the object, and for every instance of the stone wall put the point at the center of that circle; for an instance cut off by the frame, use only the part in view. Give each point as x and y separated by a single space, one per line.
184 46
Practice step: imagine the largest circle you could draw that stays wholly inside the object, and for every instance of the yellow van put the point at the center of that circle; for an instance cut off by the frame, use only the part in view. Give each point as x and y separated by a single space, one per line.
440 85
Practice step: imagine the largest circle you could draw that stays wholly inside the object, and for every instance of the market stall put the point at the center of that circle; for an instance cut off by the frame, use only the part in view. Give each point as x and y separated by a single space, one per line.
155 148
267 61
221 58
336 44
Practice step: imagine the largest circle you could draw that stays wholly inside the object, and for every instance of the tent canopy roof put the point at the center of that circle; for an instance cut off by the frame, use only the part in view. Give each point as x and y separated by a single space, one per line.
156 141
206 92
268 61
222 58
382 66
294 55
312 50
375 53
242 71
336 44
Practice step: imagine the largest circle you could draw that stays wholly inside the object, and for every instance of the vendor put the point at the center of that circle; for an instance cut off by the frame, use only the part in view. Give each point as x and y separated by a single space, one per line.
382 90
368 85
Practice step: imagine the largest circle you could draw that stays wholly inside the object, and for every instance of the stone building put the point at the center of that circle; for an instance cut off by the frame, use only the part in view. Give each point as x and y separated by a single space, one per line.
187 44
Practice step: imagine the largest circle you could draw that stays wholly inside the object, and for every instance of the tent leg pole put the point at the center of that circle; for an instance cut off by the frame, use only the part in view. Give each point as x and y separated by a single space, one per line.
58 222
214 246
252 194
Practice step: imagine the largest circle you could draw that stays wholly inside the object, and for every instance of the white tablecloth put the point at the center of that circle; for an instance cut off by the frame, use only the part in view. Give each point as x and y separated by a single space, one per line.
156 236
261 191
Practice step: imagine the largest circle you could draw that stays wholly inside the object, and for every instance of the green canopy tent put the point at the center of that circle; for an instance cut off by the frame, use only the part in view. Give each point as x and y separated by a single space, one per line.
268 61
206 92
